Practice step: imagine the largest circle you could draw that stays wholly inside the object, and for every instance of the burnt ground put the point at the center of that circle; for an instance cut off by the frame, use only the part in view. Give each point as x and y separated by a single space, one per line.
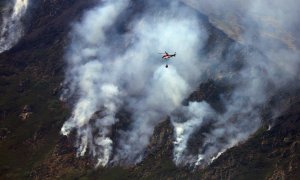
31 116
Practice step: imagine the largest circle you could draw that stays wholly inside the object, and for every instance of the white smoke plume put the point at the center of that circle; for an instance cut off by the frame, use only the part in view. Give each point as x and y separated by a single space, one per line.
106 75
273 65
11 28
113 65
188 119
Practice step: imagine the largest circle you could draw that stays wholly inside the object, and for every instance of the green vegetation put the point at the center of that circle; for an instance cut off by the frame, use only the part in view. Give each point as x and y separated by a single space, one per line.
33 139
33 148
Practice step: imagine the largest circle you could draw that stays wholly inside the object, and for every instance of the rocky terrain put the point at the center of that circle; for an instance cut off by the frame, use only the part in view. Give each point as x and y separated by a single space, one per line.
31 114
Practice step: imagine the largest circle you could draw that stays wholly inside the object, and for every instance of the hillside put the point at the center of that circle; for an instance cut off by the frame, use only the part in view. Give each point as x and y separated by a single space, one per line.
32 115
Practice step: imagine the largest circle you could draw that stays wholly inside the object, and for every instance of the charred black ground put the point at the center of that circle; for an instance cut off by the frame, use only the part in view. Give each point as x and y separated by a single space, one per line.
32 147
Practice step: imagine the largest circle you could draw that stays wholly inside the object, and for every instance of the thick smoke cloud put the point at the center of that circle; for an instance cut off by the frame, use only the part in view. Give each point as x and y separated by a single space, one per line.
113 65
273 65
11 27
105 78
185 122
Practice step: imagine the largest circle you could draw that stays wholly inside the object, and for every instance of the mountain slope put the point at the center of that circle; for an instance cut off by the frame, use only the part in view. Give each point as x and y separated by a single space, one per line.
31 146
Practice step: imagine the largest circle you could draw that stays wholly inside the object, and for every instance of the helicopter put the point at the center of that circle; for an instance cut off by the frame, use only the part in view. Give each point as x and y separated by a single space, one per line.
166 56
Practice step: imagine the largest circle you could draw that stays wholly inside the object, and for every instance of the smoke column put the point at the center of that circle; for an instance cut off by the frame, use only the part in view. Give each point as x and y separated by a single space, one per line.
105 75
273 65
113 65
11 28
